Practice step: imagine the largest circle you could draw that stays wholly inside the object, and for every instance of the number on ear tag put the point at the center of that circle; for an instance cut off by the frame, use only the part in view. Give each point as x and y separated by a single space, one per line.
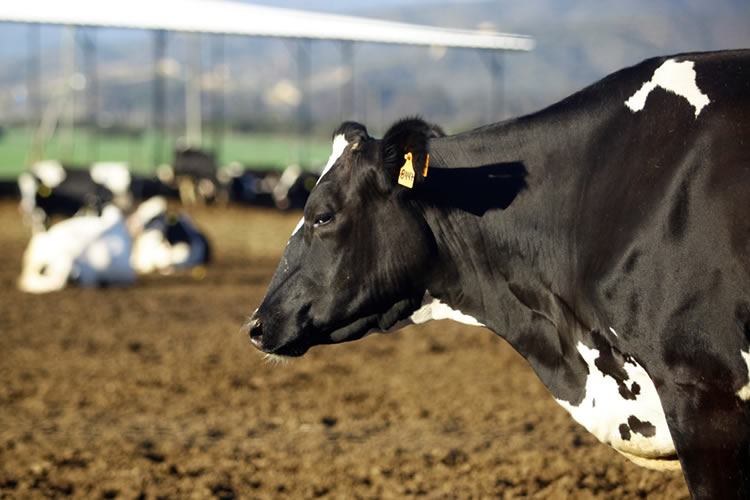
406 174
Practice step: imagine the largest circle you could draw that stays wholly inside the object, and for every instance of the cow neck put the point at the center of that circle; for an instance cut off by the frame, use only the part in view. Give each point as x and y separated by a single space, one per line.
506 259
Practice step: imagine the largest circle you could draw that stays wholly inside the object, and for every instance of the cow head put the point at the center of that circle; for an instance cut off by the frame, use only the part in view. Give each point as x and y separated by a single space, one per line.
359 261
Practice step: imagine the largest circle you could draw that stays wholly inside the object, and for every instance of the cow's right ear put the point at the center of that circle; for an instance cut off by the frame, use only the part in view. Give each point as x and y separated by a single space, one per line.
405 151
354 133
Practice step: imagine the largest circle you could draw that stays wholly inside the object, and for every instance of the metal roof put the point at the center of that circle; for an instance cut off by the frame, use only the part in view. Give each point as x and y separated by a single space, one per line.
226 17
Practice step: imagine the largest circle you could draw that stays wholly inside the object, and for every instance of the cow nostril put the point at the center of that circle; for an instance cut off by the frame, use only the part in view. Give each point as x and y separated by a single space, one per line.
255 332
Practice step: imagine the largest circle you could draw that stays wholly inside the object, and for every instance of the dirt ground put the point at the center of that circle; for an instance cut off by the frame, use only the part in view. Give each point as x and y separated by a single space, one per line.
153 392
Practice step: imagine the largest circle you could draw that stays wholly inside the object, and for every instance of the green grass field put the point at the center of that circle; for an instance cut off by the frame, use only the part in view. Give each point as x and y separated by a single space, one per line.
140 151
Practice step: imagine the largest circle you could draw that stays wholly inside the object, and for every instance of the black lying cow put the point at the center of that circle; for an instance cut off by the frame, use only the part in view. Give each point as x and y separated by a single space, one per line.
606 238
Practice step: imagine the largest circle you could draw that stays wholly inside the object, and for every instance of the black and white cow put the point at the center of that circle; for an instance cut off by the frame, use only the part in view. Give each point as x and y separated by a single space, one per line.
105 249
606 238
50 190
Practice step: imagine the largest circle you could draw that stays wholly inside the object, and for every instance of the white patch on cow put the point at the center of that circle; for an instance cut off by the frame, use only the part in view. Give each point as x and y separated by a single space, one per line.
613 331
150 252
675 77
50 172
146 211
744 392
180 253
337 149
115 176
27 186
433 309
297 228
603 410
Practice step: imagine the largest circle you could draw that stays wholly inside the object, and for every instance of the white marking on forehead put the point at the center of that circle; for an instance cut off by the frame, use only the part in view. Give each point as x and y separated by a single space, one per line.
603 410
297 228
675 77
339 145
744 392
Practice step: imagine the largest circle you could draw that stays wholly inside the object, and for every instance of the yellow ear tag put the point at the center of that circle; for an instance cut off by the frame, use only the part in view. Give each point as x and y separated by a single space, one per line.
426 165
406 175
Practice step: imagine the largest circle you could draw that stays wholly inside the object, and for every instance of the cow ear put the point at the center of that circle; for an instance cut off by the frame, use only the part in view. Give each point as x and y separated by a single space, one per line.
354 133
405 152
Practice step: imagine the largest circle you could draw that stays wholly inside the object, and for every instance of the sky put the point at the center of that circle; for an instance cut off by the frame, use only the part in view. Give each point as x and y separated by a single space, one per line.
13 37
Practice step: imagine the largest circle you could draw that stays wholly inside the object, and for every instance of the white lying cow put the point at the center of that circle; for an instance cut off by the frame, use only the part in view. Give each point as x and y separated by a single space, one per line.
90 250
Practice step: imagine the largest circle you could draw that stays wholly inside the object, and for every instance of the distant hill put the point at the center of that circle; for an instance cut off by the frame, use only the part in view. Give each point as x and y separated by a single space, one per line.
578 42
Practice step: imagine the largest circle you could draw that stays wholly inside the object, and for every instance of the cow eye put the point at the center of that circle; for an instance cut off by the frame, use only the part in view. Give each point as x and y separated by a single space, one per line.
322 219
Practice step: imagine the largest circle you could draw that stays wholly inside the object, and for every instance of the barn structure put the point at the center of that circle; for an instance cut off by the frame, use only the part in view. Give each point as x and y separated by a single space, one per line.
223 17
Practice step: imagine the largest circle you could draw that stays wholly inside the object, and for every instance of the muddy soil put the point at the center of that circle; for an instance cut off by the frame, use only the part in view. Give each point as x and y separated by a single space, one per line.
153 392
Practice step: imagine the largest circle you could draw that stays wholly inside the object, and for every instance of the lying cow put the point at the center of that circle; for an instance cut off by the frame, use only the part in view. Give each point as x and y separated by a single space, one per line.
51 190
606 238
108 249
89 250
165 240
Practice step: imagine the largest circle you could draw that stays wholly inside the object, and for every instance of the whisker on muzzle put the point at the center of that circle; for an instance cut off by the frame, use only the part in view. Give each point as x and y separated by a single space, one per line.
276 360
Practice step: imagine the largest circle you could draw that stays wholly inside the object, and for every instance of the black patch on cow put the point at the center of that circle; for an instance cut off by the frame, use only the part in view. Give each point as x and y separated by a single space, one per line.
635 388
612 363
625 392
176 231
624 432
77 191
475 189
607 362
646 429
